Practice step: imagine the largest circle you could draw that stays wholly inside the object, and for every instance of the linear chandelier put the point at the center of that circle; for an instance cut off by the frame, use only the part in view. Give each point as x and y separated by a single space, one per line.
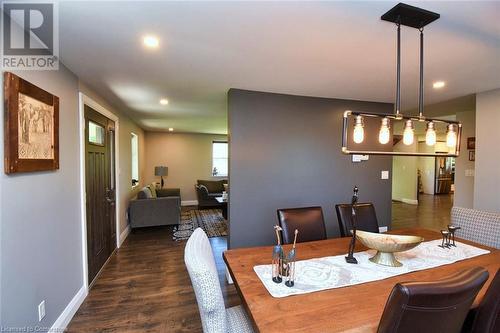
442 137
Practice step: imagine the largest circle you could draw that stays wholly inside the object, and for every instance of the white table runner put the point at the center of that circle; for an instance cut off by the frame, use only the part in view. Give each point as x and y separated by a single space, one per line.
333 272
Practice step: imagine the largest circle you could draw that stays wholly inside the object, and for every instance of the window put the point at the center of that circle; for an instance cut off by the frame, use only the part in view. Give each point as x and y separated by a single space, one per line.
96 134
219 158
135 159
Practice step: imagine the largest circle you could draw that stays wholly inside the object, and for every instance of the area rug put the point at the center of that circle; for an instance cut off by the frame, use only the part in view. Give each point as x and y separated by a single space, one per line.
210 220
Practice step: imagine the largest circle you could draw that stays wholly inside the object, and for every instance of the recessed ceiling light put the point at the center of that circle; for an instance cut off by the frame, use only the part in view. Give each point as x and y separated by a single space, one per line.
163 101
170 129
151 41
438 84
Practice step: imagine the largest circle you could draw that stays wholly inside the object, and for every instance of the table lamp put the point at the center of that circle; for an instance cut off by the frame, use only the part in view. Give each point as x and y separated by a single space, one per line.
161 171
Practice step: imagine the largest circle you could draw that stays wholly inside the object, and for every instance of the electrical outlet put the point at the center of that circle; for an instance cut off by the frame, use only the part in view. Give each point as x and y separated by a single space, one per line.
41 310
382 229
384 174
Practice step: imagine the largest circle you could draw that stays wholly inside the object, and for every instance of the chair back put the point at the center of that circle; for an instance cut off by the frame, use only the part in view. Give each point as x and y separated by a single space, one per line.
487 318
477 226
366 218
307 220
201 267
438 306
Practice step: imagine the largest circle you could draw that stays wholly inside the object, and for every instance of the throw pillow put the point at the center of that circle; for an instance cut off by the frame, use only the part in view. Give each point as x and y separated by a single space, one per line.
152 188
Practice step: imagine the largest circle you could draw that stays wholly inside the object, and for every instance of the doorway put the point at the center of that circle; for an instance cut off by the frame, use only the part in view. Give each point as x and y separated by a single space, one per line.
100 190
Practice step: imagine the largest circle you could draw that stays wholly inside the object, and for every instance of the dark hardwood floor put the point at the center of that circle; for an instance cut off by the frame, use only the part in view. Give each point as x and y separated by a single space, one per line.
432 212
145 286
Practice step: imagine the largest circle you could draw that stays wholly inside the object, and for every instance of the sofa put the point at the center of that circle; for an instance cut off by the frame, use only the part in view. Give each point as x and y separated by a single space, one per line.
155 207
208 190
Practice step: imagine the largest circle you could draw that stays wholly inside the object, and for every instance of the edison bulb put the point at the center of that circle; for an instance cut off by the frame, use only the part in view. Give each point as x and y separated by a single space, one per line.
359 132
430 134
384 133
408 134
451 136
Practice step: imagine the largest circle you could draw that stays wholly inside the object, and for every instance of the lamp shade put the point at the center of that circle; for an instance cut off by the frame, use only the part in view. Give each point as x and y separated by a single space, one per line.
161 171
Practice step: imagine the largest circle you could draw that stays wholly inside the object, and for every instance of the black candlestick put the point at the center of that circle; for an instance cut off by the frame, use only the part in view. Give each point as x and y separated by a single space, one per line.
350 256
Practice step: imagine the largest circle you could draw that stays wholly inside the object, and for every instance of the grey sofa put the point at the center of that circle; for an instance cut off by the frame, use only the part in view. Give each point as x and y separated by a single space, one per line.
155 209
207 191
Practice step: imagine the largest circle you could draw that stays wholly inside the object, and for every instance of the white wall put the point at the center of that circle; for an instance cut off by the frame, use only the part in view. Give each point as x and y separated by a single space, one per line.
487 174
40 219
40 244
427 167
404 174
187 156
464 169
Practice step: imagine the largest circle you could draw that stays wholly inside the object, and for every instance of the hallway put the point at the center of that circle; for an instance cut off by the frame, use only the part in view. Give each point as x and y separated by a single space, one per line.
432 212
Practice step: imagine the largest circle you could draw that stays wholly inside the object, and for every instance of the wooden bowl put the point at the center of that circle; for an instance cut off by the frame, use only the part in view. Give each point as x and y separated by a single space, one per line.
386 245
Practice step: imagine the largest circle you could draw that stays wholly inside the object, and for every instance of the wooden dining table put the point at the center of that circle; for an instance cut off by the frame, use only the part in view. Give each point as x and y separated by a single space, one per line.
355 308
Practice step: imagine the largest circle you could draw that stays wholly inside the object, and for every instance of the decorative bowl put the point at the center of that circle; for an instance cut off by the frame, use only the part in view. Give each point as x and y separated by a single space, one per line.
386 245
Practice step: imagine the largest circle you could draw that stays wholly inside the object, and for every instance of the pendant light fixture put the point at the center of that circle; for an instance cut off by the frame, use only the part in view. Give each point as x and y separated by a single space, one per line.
451 136
409 16
430 134
359 132
408 133
384 134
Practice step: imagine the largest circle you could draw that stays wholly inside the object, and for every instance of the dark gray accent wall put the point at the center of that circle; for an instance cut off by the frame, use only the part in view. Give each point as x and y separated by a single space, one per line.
285 152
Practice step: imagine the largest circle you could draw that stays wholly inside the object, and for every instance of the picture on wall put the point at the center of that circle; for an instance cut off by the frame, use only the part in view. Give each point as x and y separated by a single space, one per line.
471 143
31 127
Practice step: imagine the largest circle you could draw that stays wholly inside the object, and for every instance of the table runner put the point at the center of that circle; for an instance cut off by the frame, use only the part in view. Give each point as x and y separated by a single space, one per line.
333 272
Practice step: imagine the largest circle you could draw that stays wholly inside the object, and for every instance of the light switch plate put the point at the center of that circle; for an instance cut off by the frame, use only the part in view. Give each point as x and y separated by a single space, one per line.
41 311
360 158
384 174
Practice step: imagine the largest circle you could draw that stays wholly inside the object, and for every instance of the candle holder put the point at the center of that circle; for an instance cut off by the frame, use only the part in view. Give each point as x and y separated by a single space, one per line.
276 263
350 259
445 244
290 263
452 229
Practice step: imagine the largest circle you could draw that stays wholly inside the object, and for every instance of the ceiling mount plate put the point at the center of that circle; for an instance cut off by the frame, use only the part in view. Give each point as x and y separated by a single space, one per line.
410 16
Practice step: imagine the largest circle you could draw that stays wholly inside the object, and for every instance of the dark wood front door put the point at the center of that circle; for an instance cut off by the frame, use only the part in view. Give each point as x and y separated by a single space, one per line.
100 190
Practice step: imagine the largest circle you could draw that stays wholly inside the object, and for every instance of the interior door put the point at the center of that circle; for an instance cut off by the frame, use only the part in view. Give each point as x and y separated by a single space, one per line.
100 190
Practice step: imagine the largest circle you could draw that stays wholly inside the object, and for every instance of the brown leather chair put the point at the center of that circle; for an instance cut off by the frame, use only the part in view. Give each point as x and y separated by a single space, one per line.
308 221
366 218
487 315
438 306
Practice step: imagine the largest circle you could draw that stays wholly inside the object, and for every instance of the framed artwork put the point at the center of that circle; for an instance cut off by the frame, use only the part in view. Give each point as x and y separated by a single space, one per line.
472 155
471 143
31 127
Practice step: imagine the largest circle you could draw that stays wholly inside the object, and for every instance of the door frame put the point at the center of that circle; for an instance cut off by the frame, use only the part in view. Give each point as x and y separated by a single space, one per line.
85 100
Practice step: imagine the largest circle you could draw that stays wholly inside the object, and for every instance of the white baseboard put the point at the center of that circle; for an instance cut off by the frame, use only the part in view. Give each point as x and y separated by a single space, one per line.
124 235
410 201
64 319
189 203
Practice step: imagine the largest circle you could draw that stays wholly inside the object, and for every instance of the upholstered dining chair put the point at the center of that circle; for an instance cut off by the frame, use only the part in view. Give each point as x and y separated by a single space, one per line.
200 263
308 221
477 226
366 218
487 315
432 307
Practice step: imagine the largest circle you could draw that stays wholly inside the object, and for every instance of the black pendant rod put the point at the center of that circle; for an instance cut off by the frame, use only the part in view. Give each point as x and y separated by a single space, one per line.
421 93
398 73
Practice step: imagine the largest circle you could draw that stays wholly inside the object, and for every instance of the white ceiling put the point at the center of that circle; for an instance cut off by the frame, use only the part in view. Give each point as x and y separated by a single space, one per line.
326 49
